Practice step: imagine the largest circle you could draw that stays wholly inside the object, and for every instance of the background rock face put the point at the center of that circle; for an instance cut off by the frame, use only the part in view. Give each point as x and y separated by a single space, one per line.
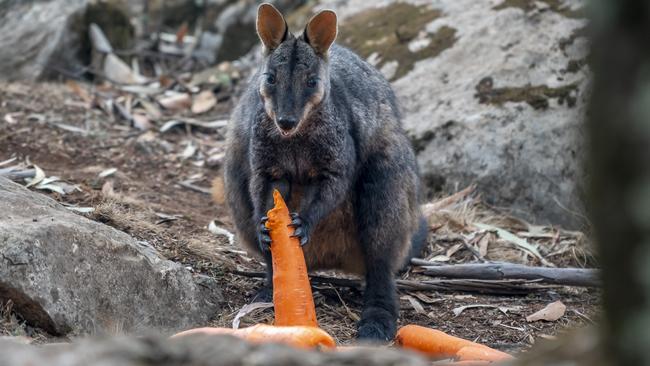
65 273
492 92
189 351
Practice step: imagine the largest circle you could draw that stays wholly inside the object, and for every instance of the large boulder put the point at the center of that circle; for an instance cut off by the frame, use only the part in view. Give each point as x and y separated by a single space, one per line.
68 274
493 92
42 39
193 351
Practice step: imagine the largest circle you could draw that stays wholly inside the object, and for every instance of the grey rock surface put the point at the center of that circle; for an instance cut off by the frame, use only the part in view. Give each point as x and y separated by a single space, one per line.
68 274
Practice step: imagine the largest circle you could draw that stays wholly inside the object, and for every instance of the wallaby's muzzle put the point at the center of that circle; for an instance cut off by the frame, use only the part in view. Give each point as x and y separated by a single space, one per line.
286 123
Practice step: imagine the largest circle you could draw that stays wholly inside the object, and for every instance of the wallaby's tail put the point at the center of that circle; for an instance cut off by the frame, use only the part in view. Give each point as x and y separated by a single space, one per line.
218 191
418 241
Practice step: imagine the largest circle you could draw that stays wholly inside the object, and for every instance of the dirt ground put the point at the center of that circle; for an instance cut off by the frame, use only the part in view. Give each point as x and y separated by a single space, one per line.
144 198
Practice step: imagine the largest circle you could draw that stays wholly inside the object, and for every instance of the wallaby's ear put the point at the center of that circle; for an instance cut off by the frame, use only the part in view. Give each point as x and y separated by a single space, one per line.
271 26
321 31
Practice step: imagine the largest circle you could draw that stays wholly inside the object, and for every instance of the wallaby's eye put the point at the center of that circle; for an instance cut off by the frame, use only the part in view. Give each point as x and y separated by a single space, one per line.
270 78
312 82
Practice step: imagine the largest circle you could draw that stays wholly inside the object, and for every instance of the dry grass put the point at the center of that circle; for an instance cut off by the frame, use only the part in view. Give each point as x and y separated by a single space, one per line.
459 235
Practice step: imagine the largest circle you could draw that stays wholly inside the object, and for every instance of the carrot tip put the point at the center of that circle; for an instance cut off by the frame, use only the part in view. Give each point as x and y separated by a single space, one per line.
278 201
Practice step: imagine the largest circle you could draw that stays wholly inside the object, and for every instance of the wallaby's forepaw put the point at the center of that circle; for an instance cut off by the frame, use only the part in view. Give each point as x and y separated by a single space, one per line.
376 325
263 237
301 230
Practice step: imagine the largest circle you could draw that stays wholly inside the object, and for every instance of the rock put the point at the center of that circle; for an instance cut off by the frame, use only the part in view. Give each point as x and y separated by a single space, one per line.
193 350
49 36
67 274
493 92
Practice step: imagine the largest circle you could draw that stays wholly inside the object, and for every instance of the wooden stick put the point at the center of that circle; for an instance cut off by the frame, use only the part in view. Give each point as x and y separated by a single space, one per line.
583 277
491 287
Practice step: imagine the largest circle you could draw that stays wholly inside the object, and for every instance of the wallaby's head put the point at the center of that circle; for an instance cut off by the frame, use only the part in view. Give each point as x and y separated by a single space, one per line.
295 76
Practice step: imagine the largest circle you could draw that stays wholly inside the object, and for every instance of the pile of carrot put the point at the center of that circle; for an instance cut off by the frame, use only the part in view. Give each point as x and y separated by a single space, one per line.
295 313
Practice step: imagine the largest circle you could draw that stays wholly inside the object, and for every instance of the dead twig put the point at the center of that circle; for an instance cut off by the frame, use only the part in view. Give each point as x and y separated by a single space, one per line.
582 277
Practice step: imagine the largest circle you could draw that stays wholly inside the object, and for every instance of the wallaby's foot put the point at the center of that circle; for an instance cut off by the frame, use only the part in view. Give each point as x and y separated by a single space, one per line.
376 325
264 294
264 239
301 229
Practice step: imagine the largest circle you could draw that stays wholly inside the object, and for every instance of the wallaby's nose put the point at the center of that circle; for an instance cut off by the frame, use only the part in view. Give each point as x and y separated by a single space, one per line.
287 123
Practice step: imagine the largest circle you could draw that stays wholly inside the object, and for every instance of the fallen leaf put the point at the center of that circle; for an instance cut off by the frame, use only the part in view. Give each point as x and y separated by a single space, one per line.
203 102
189 151
504 309
70 128
182 32
10 118
216 230
440 258
141 120
192 122
550 313
153 111
8 161
81 209
38 177
512 238
176 102
107 173
120 72
414 303
107 189
453 249
426 299
248 309
79 91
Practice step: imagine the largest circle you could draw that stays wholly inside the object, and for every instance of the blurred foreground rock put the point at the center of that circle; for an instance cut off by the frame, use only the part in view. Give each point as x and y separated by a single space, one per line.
67 274
493 92
191 351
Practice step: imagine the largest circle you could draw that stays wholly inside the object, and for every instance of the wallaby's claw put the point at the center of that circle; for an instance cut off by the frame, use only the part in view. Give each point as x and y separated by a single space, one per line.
263 235
301 230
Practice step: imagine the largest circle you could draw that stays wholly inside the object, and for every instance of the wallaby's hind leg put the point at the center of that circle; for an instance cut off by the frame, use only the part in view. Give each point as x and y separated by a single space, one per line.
384 221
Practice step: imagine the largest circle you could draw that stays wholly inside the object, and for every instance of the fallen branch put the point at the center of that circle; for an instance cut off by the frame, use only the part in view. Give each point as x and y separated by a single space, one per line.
490 287
500 271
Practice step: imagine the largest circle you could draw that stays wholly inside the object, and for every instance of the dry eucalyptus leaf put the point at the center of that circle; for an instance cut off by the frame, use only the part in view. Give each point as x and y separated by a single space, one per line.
107 173
248 309
414 303
203 102
189 151
38 177
216 230
504 309
550 313
141 120
176 102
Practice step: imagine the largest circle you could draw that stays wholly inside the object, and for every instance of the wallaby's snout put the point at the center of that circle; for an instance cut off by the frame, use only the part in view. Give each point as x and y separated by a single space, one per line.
287 123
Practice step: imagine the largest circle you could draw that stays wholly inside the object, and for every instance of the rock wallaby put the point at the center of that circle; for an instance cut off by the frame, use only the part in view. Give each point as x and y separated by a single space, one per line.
323 127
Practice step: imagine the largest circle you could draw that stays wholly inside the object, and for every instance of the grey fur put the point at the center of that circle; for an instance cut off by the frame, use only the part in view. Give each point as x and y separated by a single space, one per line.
346 168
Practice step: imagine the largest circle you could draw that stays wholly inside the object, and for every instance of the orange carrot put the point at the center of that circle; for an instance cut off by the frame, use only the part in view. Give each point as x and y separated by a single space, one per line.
297 336
437 344
430 341
482 353
292 297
